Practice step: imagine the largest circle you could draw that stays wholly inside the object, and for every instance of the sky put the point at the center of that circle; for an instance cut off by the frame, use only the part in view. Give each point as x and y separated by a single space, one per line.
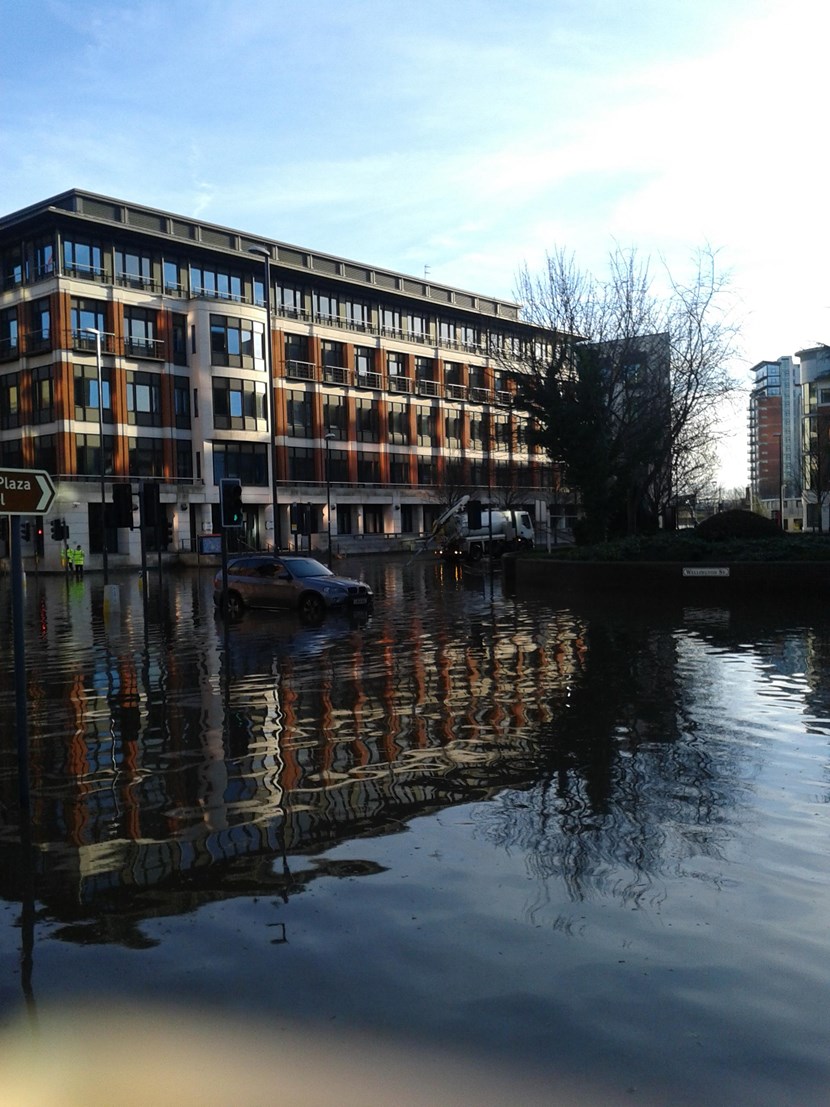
459 138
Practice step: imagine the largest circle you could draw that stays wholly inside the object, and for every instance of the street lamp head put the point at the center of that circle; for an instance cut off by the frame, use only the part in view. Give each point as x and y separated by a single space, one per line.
328 437
263 251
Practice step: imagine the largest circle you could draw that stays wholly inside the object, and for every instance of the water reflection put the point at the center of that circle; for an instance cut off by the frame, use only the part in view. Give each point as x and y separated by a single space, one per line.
162 743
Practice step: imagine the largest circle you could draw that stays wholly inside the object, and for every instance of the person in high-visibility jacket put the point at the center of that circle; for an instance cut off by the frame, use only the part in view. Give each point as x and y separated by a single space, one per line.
78 560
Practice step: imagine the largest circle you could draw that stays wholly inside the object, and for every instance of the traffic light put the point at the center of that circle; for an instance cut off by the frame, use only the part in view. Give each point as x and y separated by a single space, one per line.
25 531
122 504
39 539
149 504
168 535
230 502
300 515
56 527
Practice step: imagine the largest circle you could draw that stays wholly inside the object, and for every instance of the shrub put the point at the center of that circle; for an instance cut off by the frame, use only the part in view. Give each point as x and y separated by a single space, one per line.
736 524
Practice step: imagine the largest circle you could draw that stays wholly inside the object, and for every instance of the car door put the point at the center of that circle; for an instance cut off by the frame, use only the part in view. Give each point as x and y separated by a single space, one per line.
282 585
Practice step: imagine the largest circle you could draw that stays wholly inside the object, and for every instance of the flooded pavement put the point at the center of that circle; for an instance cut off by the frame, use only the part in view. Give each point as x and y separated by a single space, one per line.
573 839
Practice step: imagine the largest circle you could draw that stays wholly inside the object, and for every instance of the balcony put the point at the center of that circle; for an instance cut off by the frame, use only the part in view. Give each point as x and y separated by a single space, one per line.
144 347
456 392
400 384
301 370
337 374
370 380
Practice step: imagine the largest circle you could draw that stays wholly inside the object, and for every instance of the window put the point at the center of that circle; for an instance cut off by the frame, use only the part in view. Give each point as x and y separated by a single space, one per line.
334 416
40 326
296 348
478 376
146 456
367 421
83 315
368 468
423 369
82 258
426 472
88 457
357 314
290 300
140 333
452 372
502 434
11 267
407 519
331 353
298 413
395 364
9 337
181 402
172 274
372 519
238 404
399 469
398 423
446 332
416 325
247 461
478 430
390 321
86 393
220 284
46 453
144 399
133 269
237 343
452 429
43 398
344 519
338 466
178 338
425 421
364 360
468 335
184 459
326 306
44 258
300 463
9 400
11 454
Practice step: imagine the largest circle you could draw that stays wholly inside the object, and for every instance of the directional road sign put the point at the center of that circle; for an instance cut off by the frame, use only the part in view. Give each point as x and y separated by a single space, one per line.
25 491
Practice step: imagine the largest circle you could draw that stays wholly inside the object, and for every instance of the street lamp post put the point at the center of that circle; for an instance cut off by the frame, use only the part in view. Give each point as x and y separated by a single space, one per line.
780 438
101 467
265 254
327 438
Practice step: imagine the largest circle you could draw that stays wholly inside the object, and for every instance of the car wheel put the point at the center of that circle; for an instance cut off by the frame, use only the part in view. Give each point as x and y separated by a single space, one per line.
312 607
233 605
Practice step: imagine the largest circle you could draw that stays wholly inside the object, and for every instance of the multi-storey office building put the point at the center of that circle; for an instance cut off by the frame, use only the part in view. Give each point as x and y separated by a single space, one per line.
815 405
387 390
774 424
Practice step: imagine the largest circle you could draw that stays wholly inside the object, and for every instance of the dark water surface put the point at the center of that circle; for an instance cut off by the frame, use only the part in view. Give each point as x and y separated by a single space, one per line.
572 837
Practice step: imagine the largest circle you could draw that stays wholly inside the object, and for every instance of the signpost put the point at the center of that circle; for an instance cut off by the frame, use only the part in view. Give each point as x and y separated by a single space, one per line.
22 492
25 491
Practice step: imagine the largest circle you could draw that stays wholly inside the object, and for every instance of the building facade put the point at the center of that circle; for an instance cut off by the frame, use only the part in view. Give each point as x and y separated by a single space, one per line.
775 437
389 392
815 436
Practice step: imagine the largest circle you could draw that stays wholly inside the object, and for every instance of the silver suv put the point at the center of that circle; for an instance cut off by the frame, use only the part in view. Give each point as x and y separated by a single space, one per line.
261 580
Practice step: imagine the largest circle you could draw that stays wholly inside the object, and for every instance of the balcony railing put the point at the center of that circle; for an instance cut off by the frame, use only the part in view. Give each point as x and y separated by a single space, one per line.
83 340
143 347
456 392
370 380
400 384
337 374
301 370
427 388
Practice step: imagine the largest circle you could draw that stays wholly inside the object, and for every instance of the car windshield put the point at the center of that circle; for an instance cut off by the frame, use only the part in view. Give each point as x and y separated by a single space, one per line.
308 567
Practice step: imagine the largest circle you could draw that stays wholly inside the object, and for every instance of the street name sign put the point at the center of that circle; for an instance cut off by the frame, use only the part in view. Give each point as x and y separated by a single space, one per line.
25 491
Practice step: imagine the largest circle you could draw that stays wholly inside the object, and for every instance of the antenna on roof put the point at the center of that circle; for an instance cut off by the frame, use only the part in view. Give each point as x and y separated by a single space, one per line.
426 271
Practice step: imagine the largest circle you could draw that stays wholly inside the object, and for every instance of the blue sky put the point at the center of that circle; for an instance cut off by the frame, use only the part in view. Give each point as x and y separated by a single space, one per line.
468 137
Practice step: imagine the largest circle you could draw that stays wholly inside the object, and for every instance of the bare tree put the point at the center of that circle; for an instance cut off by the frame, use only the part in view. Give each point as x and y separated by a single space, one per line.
627 389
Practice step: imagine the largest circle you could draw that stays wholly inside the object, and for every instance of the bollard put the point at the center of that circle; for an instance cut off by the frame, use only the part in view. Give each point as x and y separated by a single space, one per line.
112 598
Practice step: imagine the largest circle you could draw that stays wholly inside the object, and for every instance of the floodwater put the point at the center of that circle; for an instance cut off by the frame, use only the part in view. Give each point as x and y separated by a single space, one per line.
577 842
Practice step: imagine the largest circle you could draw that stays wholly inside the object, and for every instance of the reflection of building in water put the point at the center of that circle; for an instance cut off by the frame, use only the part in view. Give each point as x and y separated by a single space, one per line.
172 756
